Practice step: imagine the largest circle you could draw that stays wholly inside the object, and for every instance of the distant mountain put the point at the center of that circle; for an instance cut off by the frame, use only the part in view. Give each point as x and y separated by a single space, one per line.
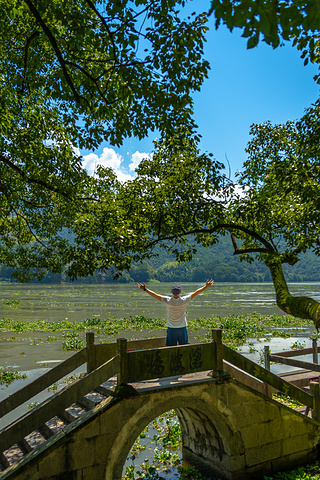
216 261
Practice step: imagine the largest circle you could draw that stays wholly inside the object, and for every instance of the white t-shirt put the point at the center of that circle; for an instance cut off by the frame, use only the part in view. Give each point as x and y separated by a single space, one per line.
176 310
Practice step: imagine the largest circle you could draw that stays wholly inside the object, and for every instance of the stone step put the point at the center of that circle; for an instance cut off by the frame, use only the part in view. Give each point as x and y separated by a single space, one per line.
55 425
92 399
51 427
73 412
33 440
13 454
106 389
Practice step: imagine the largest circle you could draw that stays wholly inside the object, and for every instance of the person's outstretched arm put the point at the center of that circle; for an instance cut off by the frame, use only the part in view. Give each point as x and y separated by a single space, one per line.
200 290
150 292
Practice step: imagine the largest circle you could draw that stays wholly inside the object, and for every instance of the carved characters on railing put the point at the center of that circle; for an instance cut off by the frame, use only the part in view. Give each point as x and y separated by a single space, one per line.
176 363
196 359
170 361
155 365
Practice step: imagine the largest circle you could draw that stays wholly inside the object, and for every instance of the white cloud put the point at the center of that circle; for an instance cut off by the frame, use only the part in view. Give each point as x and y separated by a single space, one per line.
136 159
109 158
76 150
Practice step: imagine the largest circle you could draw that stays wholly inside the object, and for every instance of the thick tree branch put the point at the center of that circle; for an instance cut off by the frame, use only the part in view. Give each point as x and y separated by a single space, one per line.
106 26
215 229
26 53
94 81
22 217
241 251
54 44
302 307
31 180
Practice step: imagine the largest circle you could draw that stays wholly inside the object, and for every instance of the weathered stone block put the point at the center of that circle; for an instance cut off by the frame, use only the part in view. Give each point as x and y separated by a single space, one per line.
269 431
298 443
80 453
112 423
293 460
262 454
250 436
55 463
91 429
256 472
220 391
296 424
236 462
255 413
237 396
93 473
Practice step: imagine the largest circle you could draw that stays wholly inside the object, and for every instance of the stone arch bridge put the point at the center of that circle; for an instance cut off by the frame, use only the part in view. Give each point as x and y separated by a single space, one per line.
231 428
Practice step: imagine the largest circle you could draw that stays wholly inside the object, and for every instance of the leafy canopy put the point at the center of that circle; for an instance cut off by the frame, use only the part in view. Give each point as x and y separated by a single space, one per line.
80 72
73 74
273 21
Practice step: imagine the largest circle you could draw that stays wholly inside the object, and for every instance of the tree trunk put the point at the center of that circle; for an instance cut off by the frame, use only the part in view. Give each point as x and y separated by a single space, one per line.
301 307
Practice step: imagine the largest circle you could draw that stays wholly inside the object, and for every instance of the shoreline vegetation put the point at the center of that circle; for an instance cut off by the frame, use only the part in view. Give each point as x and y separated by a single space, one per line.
236 328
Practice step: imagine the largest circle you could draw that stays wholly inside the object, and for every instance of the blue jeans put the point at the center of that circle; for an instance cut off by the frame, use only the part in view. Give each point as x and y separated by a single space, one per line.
177 335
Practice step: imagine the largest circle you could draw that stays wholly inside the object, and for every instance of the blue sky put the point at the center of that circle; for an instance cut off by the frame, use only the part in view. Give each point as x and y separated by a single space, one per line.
244 87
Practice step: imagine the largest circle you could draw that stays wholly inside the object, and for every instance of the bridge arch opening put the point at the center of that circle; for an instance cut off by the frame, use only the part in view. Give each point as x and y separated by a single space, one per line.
157 446
208 437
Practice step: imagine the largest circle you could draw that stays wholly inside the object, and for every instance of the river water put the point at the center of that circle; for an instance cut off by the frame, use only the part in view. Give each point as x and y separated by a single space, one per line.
78 302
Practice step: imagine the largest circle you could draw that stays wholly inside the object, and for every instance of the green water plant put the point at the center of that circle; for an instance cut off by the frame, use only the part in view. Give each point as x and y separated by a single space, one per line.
298 474
297 345
149 473
286 400
172 436
237 329
308 472
73 344
166 457
11 303
53 387
71 378
8 376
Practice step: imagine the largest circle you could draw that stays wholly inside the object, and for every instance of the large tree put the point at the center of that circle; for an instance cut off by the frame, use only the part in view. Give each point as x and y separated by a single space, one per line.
72 75
272 215
80 72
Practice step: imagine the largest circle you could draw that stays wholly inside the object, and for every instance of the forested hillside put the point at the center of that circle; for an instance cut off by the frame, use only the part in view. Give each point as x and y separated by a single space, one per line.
217 262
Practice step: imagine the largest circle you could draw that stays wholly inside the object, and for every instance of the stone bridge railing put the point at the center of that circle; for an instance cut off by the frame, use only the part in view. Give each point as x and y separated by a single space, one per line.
131 361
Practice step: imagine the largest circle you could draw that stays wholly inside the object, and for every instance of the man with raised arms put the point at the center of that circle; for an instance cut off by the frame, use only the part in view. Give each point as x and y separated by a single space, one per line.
176 311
